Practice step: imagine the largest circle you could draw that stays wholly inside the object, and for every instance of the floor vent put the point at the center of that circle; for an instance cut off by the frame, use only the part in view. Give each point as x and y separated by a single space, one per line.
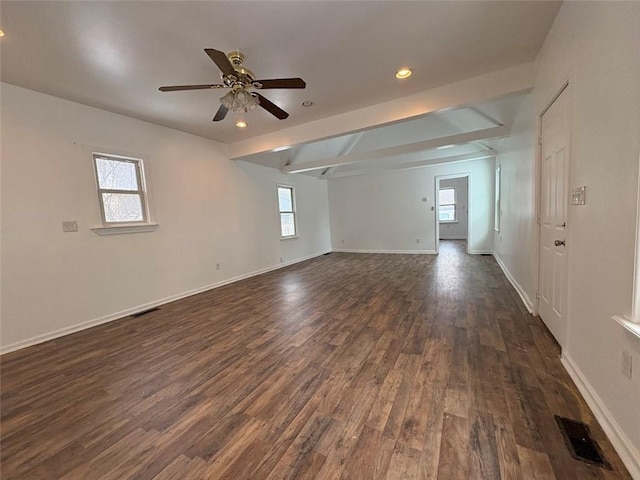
578 439
328 253
144 312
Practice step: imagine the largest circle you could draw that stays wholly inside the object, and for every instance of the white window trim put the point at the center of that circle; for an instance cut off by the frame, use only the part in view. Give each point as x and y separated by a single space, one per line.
632 323
120 229
455 204
293 211
628 324
113 228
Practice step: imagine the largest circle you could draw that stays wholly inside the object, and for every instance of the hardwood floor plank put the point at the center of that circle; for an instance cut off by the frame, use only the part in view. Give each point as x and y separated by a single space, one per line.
346 366
535 465
483 458
370 457
301 459
454 449
510 468
404 464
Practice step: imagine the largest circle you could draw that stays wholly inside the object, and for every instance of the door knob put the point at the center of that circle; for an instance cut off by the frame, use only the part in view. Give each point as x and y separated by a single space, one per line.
559 243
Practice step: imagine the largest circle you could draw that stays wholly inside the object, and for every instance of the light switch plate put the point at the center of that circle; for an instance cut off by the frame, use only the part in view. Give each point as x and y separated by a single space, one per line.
577 195
69 226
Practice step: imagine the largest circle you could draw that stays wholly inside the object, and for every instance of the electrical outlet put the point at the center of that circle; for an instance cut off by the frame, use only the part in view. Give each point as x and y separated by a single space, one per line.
69 226
280 259
217 266
627 364
417 240
342 240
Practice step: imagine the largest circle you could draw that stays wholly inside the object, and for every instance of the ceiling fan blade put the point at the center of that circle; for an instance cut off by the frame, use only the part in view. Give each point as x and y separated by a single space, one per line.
271 107
177 88
282 83
221 60
221 113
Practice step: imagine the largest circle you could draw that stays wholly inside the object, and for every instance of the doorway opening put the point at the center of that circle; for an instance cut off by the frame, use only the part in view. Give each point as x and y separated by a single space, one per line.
452 207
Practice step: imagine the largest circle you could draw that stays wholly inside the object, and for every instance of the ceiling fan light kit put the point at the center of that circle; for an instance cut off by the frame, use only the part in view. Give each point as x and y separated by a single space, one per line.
239 100
240 80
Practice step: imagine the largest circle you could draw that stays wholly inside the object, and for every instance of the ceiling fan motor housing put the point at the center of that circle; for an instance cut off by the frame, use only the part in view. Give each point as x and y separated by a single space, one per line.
243 76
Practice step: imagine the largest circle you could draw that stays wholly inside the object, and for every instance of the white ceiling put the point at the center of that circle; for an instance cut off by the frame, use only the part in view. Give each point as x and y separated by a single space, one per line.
115 55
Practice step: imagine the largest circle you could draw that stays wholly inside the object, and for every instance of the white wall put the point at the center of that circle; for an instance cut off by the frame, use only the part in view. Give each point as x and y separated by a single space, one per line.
458 229
210 210
595 46
385 212
515 244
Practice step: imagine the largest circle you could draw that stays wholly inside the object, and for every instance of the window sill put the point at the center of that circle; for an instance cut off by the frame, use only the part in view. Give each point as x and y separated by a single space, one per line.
630 326
289 238
122 229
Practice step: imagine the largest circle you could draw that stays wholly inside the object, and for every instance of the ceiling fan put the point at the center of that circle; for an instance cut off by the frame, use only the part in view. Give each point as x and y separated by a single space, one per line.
240 80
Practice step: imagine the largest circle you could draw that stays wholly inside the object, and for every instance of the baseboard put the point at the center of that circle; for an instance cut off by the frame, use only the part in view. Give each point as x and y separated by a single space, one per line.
139 308
406 252
523 295
455 237
627 452
480 252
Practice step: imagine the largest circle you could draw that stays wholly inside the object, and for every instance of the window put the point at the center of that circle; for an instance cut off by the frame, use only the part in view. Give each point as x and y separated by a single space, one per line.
632 321
447 205
121 191
286 205
497 206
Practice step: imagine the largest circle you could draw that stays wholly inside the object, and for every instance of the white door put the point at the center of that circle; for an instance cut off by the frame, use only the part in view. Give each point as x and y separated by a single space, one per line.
554 176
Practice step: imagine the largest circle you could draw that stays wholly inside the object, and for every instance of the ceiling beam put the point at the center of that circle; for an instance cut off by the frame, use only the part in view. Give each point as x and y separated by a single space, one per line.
359 157
355 138
465 157
465 92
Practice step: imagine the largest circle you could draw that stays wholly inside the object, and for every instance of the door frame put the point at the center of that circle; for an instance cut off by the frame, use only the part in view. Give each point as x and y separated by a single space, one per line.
565 87
436 203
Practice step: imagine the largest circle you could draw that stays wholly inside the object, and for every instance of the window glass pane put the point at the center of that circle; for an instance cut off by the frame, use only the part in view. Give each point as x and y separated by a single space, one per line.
285 199
447 196
116 174
122 207
447 213
287 224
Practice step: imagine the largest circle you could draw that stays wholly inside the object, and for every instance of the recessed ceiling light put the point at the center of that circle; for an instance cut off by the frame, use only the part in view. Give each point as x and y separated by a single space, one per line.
403 73
1 33
444 146
241 124
307 103
280 149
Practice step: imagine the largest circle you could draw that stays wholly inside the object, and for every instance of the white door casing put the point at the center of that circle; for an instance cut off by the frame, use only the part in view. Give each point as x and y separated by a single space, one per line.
436 208
554 196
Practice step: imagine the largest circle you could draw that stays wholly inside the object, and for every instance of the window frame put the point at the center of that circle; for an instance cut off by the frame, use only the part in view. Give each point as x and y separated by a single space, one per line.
292 211
141 191
455 204
631 321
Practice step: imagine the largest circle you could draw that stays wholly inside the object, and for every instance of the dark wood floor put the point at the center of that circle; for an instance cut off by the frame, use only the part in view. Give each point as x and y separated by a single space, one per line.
346 366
